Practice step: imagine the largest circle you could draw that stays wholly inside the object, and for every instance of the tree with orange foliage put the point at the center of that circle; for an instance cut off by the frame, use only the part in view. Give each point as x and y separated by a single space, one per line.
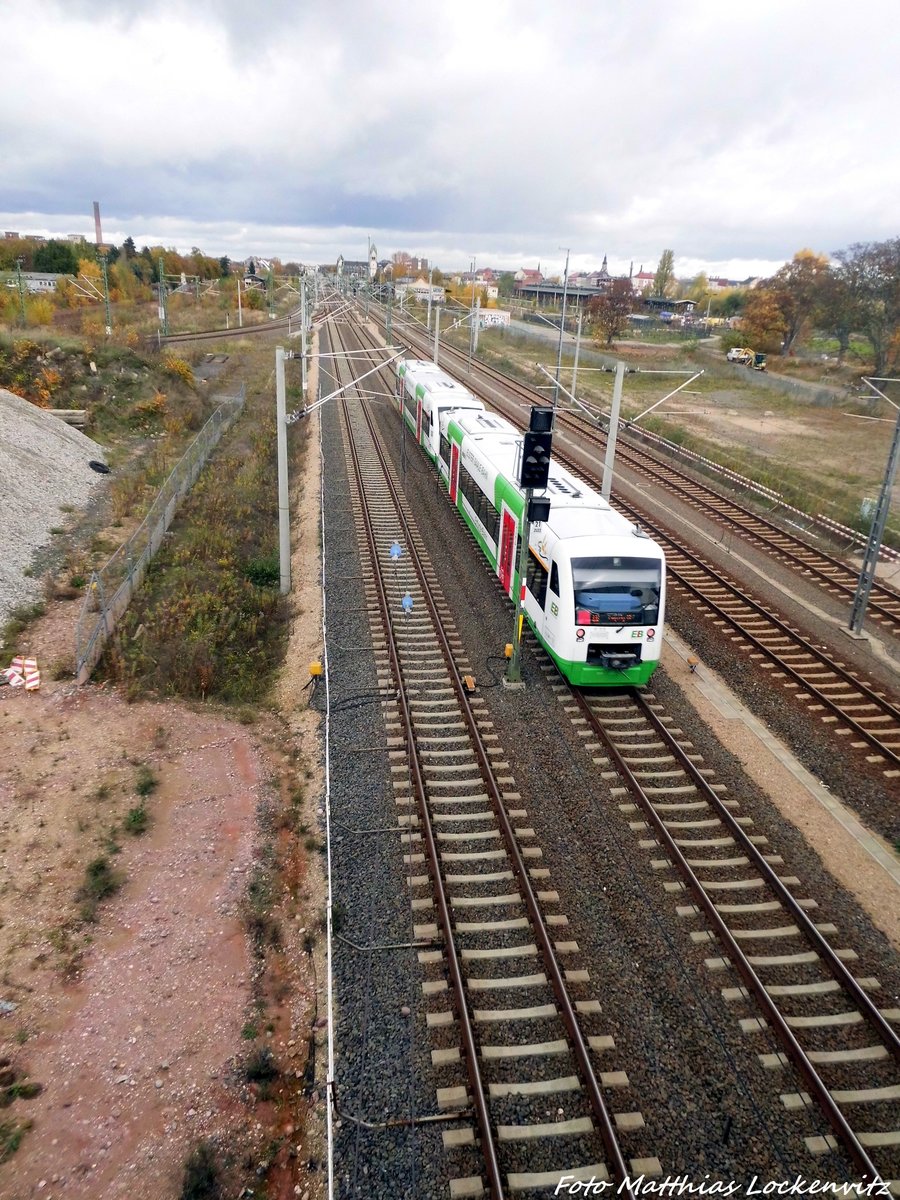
796 289
763 322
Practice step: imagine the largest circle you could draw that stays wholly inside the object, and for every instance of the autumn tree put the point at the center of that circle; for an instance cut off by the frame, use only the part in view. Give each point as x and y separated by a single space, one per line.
763 321
665 274
837 312
698 289
871 273
795 288
607 315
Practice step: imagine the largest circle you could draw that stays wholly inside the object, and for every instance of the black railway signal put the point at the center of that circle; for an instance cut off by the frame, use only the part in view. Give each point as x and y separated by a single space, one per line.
535 460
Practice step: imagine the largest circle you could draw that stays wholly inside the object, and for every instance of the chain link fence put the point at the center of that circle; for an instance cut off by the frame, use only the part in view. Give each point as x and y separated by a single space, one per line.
111 587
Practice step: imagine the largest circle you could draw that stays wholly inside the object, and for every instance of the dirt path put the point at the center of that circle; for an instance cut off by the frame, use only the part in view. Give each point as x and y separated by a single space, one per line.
136 1029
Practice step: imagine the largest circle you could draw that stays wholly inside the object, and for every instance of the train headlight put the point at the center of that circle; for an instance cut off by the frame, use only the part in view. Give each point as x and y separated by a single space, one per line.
651 634
579 635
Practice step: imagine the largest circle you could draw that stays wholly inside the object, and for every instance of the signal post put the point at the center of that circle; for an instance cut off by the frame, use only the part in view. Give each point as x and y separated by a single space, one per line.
533 475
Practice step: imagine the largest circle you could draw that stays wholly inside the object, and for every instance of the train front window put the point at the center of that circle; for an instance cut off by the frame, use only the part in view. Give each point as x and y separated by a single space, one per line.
616 591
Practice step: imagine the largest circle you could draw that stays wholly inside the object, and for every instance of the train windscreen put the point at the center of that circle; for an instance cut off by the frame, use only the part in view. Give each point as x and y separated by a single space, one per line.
616 590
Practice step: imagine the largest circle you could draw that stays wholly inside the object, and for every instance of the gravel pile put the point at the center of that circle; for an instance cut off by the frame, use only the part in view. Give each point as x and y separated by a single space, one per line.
44 467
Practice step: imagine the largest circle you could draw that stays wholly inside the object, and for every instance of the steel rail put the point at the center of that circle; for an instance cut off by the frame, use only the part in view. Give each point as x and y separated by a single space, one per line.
617 1165
482 1116
795 1051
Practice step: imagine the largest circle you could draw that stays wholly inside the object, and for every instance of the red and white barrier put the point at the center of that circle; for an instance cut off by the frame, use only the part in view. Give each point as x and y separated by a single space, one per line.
23 672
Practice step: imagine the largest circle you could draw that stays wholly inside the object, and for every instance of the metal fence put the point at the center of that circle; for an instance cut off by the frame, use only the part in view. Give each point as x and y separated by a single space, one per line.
111 587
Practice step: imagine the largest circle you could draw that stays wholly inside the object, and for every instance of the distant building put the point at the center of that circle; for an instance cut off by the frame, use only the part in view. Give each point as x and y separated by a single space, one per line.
527 277
643 281
33 281
418 289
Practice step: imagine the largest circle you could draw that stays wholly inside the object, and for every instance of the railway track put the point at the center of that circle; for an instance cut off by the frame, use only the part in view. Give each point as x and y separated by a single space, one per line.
809 673
289 323
795 994
517 1031
800 995
832 574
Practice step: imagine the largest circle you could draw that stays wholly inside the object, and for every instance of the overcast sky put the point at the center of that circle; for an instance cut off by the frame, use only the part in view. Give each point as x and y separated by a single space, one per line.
732 133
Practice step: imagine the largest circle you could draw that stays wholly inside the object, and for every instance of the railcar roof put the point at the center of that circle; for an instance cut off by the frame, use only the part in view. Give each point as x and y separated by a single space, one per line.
576 509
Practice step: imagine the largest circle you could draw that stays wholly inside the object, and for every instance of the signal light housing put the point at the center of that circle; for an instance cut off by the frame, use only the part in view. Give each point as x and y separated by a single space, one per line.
535 470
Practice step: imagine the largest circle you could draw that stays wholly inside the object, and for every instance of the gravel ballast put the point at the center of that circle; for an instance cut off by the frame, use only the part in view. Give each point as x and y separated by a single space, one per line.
44 466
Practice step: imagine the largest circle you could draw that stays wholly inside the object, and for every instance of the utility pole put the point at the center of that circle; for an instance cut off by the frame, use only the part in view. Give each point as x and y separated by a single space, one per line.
21 288
534 473
303 323
879 520
514 670
240 309
284 516
577 349
163 299
609 459
430 278
103 264
472 316
388 327
562 327
437 331
476 326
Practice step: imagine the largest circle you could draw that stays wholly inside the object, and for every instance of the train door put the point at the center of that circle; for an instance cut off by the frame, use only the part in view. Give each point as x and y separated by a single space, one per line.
507 550
454 471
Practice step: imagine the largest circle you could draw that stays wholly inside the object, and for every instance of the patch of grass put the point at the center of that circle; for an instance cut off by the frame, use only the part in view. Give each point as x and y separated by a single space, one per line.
137 820
11 1134
201 1174
19 620
147 781
264 572
250 1032
77 581
20 1090
100 881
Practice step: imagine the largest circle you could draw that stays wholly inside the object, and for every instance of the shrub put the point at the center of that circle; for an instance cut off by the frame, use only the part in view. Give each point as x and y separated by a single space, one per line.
100 881
264 572
137 820
179 368
201 1174
261 1066
11 1134
147 781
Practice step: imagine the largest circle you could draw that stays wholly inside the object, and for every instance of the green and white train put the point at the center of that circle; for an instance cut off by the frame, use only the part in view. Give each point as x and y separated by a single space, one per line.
595 583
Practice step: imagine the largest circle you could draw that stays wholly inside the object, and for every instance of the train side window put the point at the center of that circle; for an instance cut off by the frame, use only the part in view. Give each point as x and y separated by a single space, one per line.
536 578
554 579
445 450
481 506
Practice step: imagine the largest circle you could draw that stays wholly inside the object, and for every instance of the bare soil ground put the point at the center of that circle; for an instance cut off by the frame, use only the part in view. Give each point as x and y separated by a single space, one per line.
135 1030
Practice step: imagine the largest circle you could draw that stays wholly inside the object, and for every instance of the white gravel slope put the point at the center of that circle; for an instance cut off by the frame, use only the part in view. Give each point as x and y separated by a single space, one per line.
43 466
